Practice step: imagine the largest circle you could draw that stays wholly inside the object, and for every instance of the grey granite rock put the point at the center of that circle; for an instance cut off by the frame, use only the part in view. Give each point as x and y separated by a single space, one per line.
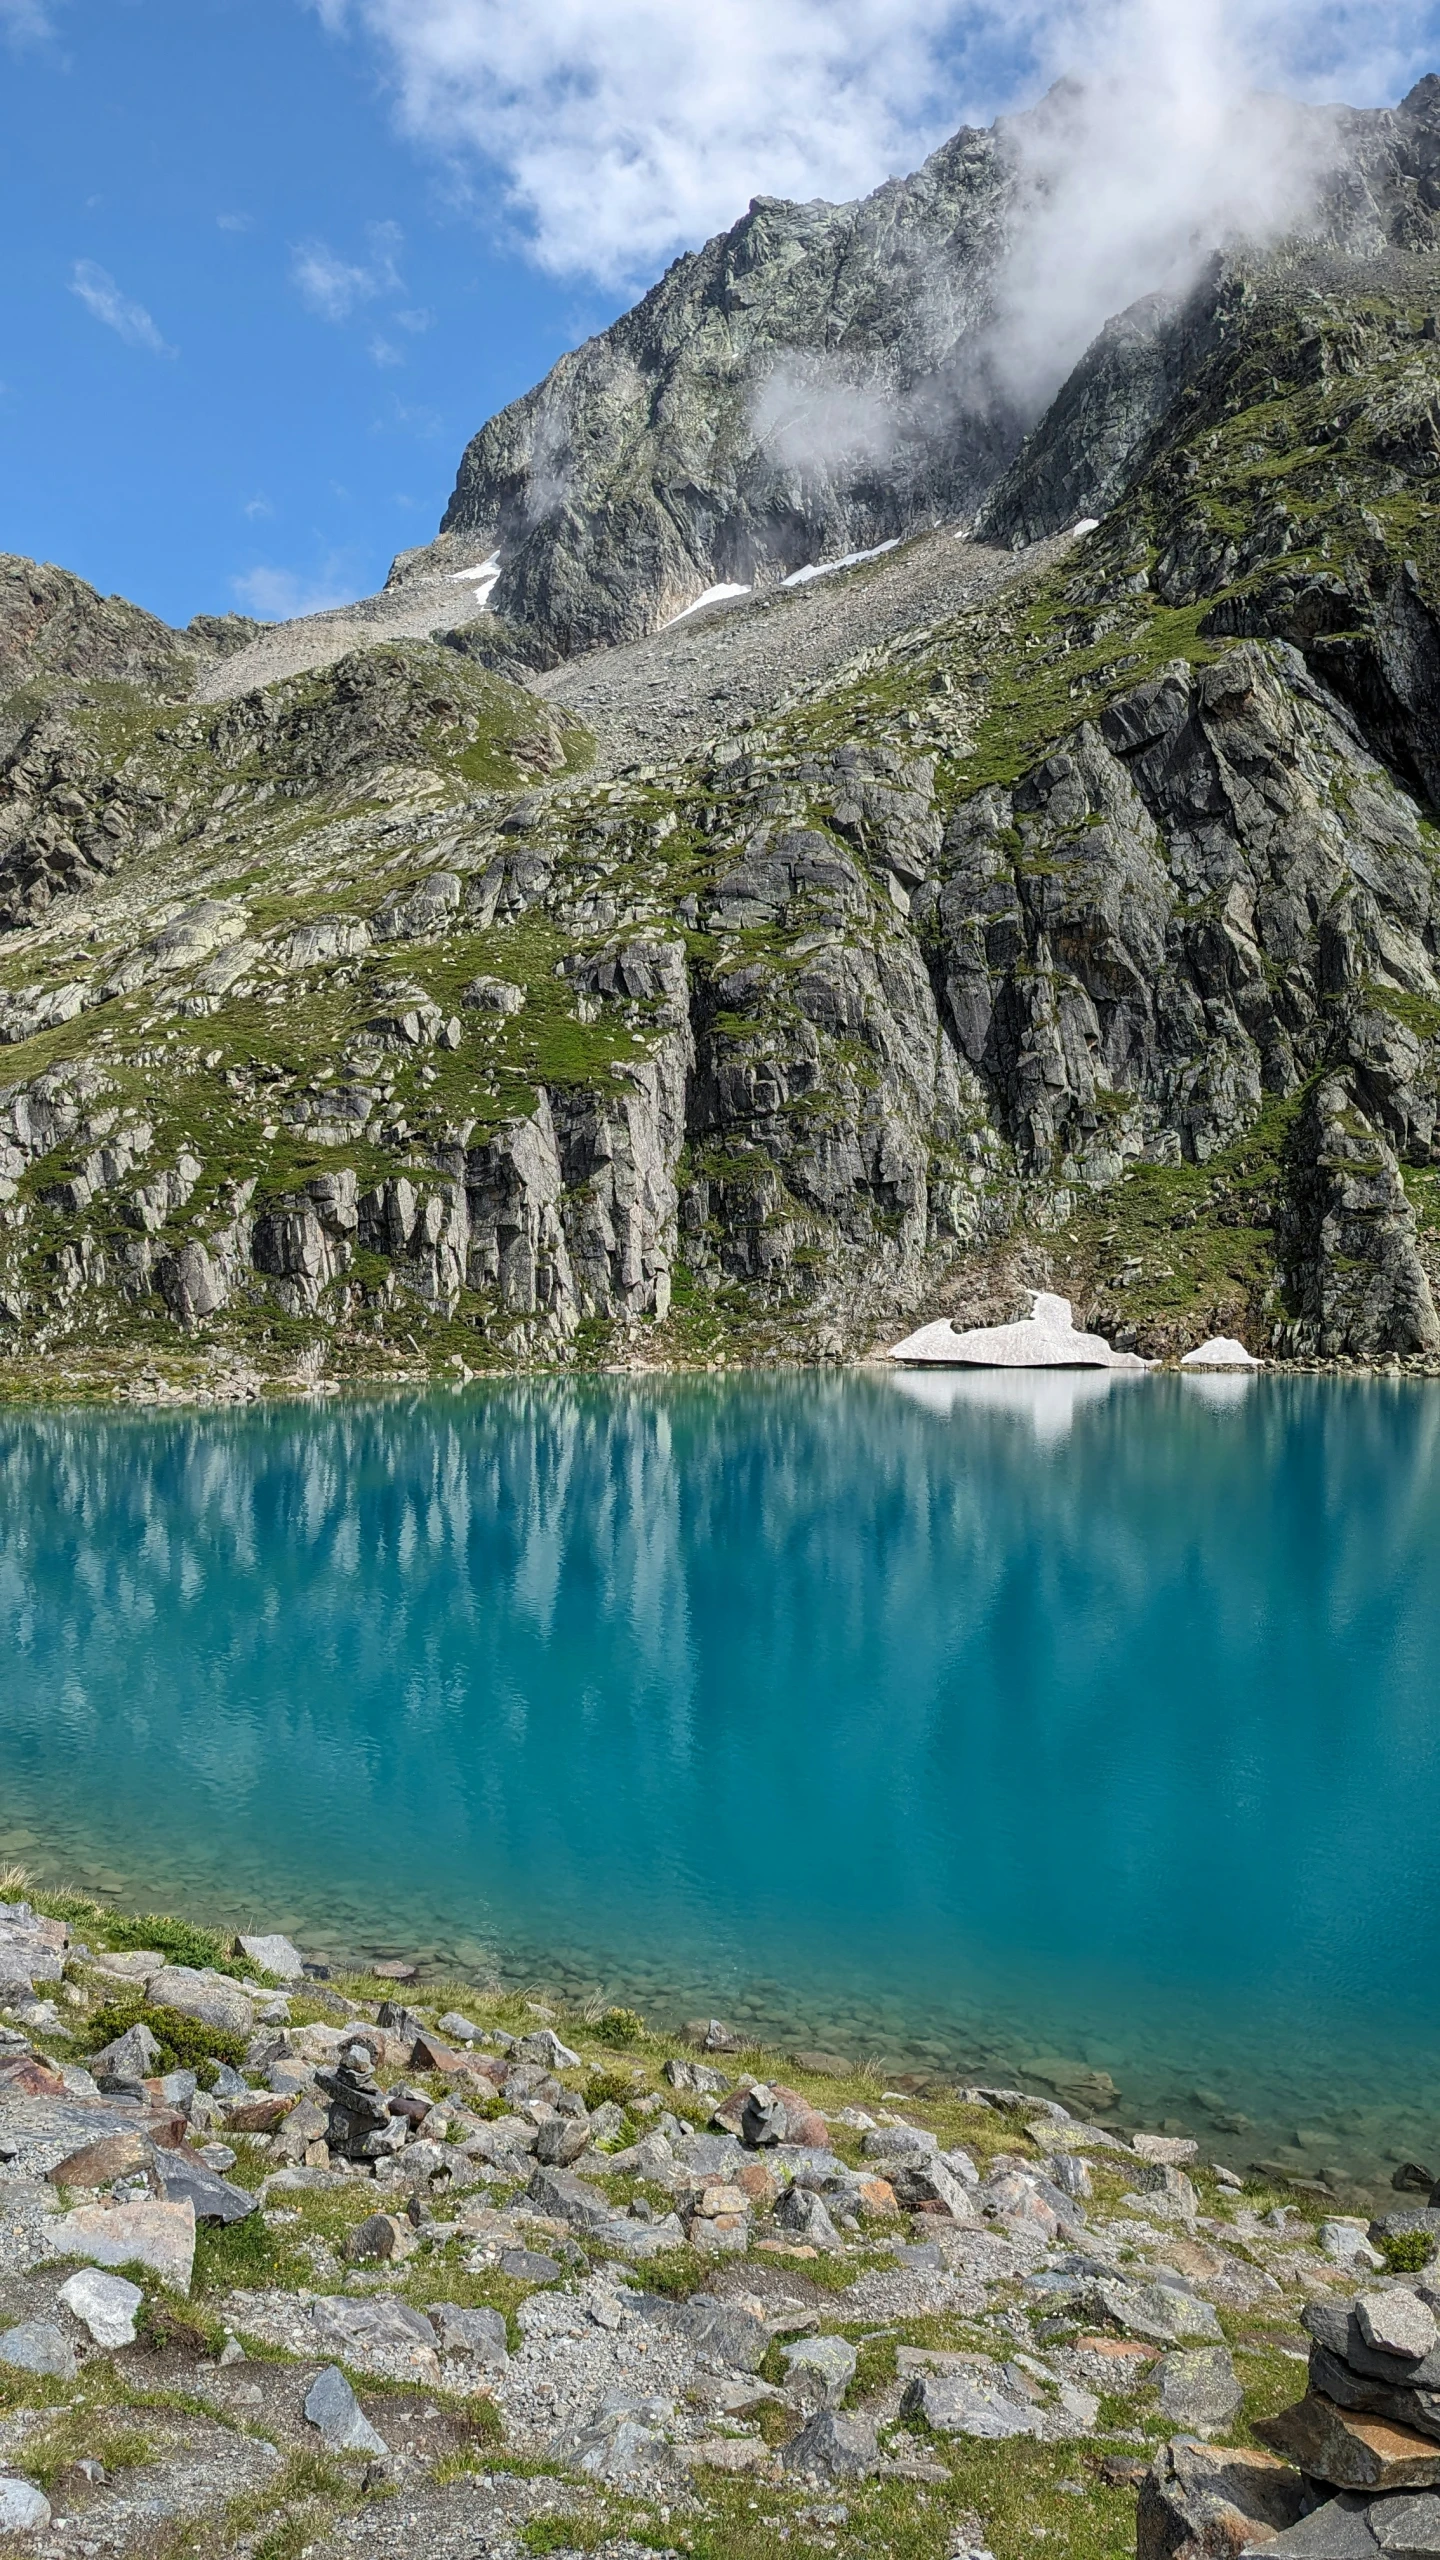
24 2508
37 2346
975 2403
834 2445
820 2370
334 2411
1199 2391
215 2199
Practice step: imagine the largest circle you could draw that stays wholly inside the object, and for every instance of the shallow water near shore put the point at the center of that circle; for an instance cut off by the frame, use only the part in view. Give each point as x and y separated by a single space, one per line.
1052 1725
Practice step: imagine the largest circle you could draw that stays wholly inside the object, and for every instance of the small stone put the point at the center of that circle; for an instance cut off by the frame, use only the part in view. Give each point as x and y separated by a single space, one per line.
23 2507
1398 2323
381 2235
1170 2149
332 2408
1199 2392
820 2370
104 2304
456 2024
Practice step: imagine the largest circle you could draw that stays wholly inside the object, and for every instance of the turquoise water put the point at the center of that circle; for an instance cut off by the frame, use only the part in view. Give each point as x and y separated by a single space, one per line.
1045 1725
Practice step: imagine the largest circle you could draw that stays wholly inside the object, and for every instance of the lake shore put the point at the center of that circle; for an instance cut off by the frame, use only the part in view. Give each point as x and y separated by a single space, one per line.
542 2275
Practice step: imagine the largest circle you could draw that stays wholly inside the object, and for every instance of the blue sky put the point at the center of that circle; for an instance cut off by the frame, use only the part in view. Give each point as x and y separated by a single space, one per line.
195 151
270 263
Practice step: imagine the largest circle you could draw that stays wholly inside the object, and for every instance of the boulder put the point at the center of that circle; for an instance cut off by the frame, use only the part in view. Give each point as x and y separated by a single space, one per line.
129 2058
378 2335
545 2046
161 2236
211 1997
1397 2323
719 2332
104 2304
1351 2449
380 2235
561 2139
334 2411
479 2334
1199 2502
972 2403
1198 2388
23 2507
37 2346
274 1955
802 2216
1161 2312
1162 2178
215 2199
99 2164
559 2193
820 2370
834 2445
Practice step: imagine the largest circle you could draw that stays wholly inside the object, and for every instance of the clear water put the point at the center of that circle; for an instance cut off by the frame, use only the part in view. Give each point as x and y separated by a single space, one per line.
1023 1725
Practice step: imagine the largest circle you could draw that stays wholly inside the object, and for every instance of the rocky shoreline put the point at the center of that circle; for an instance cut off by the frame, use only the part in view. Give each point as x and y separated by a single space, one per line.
117 1376
299 2259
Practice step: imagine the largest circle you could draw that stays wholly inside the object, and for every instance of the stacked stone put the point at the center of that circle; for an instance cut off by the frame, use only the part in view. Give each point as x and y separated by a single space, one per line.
1368 2429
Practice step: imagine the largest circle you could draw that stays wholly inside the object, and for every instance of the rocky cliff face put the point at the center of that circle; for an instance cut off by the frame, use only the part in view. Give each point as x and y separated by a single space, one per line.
823 378
1078 925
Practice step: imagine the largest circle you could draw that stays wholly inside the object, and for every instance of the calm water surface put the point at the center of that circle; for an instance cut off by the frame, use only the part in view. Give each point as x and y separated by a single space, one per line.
1055 1725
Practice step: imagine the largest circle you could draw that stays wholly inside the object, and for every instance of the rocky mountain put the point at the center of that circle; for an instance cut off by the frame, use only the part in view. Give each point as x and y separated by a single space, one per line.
1044 906
823 378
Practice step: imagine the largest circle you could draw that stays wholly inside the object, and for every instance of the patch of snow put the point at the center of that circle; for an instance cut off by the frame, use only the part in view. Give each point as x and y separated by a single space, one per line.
1087 524
827 568
1222 1351
712 595
1047 1339
482 578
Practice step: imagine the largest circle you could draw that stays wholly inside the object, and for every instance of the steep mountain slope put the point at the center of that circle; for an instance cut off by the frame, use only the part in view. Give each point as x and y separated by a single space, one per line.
1067 913
823 378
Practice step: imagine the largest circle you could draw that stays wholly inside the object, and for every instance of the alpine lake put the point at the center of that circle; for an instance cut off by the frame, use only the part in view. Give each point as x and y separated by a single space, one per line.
1067 1727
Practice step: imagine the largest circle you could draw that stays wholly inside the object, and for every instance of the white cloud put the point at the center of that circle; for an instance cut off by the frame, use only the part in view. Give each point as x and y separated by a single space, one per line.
234 221
623 130
25 21
383 353
335 286
259 506
102 297
278 595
